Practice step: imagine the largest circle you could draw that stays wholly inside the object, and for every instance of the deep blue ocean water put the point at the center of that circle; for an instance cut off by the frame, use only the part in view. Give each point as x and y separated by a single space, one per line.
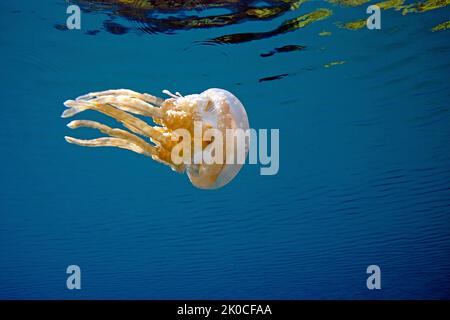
364 161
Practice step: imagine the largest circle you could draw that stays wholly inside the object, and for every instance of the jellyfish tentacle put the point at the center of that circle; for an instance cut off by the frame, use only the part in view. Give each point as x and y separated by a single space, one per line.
126 92
130 104
170 94
117 133
106 142
134 124
134 143
75 107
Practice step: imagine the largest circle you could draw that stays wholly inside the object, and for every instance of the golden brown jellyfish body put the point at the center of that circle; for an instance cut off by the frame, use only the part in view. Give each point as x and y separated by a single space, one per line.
215 109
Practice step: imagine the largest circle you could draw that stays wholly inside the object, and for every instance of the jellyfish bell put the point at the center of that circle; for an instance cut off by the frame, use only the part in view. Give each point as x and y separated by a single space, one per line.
214 109
222 111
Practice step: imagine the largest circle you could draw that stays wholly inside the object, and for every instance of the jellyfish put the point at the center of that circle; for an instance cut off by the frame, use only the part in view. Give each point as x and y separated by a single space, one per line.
214 108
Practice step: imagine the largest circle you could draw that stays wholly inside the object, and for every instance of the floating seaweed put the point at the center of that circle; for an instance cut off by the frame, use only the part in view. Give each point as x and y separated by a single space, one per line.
325 33
334 63
348 3
353 25
397 5
287 26
391 4
361 23
425 6
442 26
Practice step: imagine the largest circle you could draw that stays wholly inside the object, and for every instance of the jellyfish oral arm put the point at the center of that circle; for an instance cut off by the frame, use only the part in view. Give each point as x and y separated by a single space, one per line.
116 106
121 138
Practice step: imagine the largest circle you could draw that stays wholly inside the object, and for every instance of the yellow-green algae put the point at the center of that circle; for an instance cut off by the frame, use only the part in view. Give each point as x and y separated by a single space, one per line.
304 20
268 12
425 6
396 5
286 26
353 25
334 63
442 26
348 3
296 4
391 4
264 13
384 5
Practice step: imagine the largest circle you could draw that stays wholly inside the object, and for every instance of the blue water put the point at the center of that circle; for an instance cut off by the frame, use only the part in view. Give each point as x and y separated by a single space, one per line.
364 162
